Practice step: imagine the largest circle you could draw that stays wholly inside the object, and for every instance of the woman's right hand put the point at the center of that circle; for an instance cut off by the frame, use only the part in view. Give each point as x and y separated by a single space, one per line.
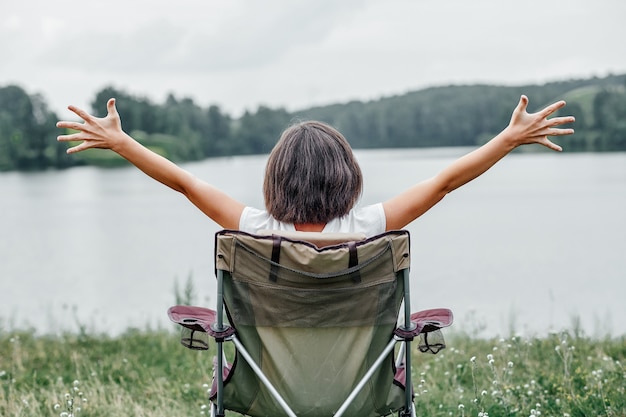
94 132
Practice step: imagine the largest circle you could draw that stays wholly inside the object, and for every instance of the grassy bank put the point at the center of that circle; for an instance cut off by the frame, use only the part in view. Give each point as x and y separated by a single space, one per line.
151 374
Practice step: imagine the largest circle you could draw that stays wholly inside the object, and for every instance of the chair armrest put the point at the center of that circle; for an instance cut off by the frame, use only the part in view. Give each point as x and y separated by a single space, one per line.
194 318
197 322
434 319
425 321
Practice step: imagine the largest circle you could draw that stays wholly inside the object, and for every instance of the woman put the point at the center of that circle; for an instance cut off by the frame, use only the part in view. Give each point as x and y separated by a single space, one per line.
312 180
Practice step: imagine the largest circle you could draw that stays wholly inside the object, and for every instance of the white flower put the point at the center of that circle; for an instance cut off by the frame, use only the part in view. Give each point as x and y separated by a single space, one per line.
473 359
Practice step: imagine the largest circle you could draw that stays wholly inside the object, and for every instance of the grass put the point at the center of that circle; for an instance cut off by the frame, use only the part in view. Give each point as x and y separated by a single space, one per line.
148 373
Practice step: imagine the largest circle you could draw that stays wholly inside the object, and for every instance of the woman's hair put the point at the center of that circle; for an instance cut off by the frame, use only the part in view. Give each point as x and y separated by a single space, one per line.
311 175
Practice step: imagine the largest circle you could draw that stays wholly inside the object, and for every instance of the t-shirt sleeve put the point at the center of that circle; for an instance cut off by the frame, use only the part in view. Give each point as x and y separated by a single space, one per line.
370 220
253 219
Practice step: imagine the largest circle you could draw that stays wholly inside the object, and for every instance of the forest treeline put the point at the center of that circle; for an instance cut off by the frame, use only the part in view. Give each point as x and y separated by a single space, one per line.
182 130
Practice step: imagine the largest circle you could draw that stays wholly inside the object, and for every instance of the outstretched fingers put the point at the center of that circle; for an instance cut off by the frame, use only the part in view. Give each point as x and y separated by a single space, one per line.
549 144
71 125
80 113
547 111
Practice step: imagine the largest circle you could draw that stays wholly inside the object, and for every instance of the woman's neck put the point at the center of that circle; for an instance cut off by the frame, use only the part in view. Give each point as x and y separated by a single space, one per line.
309 227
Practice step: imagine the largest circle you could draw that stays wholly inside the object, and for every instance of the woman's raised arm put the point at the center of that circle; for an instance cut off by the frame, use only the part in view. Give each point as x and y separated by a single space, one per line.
107 133
524 128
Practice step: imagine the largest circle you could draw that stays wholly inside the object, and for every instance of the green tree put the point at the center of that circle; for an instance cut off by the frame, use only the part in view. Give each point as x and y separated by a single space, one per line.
258 132
26 131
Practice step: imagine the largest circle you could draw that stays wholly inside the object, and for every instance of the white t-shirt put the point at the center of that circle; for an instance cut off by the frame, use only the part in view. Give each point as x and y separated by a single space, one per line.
369 220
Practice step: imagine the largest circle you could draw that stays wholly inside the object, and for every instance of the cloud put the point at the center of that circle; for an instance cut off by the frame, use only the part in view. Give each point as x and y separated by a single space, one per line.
245 35
296 53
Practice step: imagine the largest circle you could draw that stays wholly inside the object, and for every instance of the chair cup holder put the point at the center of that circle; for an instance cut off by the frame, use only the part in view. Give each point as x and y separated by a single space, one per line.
194 339
431 342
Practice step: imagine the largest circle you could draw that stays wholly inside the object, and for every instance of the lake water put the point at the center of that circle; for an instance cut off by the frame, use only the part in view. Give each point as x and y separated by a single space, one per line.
537 243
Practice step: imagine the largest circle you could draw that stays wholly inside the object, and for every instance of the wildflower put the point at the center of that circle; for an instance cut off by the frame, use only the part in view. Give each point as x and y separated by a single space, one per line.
473 359
57 407
76 382
3 373
510 364
461 406
491 361
490 357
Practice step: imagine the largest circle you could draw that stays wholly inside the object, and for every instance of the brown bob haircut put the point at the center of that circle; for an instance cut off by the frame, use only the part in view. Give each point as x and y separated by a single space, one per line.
311 175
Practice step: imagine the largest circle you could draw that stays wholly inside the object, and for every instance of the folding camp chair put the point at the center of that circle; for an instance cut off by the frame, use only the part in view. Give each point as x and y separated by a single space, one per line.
314 322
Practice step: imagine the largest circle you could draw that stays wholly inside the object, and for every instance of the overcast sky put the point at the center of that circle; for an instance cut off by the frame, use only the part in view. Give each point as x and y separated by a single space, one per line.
295 54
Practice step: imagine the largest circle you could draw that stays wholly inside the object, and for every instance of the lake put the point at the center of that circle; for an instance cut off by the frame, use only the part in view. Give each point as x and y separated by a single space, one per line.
535 245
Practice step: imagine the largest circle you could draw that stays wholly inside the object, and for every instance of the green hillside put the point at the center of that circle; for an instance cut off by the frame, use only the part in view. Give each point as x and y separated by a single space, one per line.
181 130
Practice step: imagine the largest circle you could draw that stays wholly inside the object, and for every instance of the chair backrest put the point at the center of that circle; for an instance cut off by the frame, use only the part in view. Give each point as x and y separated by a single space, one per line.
314 318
